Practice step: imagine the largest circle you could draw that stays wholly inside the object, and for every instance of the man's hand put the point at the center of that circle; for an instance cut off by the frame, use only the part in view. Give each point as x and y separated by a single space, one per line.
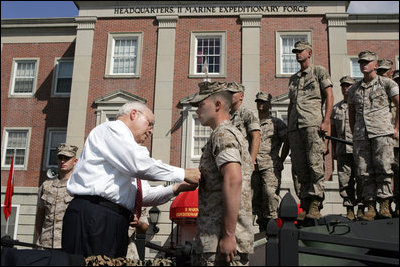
141 227
183 187
227 247
192 176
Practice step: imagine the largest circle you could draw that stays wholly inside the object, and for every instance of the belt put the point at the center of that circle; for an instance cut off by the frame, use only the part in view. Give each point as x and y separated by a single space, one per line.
106 203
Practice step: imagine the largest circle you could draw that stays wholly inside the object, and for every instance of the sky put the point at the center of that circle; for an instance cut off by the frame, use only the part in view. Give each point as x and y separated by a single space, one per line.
64 9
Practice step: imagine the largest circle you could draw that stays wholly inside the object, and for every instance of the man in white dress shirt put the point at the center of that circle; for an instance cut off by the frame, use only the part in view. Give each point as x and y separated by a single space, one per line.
103 184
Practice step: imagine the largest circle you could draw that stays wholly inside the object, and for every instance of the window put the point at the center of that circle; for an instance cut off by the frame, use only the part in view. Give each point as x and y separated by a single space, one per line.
355 69
16 141
12 228
124 55
208 49
24 77
286 60
199 138
54 137
63 78
194 137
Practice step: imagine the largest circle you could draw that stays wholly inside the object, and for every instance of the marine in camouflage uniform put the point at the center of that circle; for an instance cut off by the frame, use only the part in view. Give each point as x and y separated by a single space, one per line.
224 217
309 89
141 228
350 186
370 119
269 163
53 200
249 125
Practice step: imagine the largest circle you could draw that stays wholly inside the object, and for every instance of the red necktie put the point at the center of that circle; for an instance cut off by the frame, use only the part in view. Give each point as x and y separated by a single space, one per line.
139 199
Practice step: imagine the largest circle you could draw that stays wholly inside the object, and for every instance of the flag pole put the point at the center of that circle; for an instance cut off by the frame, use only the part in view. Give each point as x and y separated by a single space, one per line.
205 70
9 193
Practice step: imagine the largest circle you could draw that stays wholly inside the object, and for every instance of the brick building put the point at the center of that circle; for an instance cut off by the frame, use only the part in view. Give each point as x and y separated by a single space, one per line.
63 76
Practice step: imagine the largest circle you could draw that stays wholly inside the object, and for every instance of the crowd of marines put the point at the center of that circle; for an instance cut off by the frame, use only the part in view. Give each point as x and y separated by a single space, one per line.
243 159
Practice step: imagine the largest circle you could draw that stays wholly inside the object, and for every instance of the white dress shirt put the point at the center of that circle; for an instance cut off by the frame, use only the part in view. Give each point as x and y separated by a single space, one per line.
156 195
110 160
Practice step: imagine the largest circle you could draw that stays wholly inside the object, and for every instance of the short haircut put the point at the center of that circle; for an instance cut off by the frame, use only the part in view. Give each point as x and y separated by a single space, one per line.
225 97
128 107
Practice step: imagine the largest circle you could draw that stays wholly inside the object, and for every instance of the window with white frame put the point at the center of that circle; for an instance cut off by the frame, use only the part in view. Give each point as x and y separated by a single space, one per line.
199 138
208 50
16 141
12 228
124 54
286 59
54 138
63 78
24 77
355 69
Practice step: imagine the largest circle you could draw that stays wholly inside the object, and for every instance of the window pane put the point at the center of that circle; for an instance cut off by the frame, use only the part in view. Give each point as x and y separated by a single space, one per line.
16 143
208 47
65 68
289 64
355 69
200 137
56 137
24 76
124 58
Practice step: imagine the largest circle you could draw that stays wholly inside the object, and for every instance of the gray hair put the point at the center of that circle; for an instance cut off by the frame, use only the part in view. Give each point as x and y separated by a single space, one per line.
128 107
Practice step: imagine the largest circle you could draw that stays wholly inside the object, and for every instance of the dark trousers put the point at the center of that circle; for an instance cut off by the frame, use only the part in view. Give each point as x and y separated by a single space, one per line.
92 229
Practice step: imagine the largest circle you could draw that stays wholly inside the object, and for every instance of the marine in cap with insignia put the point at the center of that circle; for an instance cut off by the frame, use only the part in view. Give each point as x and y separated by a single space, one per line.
350 187
385 68
373 132
224 224
53 199
310 89
273 151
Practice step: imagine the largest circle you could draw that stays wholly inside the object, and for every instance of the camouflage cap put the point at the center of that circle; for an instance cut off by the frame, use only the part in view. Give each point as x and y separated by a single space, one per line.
385 64
347 79
67 150
396 74
235 87
261 96
207 89
367 56
300 46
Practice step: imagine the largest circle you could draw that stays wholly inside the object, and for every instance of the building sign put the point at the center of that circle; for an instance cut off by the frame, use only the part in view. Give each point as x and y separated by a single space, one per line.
194 10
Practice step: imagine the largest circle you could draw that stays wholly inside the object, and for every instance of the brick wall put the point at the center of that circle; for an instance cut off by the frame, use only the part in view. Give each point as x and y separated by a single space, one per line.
184 86
38 112
384 48
143 86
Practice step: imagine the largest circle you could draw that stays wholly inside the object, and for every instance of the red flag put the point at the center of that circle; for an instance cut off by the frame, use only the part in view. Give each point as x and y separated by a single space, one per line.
10 190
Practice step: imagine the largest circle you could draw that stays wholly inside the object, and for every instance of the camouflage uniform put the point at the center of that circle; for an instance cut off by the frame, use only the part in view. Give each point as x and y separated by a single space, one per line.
348 190
246 121
373 143
225 144
307 146
273 130
54 198
132 252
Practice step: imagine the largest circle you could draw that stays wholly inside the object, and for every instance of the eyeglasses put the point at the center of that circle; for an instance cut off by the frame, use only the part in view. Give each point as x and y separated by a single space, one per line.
150 123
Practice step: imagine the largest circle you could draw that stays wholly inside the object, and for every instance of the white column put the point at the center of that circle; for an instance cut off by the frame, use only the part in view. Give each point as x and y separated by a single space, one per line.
339 62
163 96
251 58
80 81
